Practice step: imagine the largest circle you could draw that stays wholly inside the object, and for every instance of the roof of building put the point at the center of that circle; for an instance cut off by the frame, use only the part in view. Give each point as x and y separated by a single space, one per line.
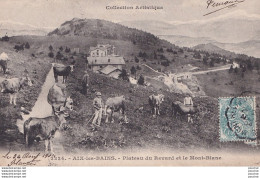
113 60
108 69
115 74
100 48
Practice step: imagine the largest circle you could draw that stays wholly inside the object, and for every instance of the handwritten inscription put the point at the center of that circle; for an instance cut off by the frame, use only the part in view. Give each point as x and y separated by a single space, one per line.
218 6
26 159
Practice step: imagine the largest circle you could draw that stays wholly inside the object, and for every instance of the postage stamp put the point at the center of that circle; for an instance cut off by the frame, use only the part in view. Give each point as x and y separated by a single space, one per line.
237 119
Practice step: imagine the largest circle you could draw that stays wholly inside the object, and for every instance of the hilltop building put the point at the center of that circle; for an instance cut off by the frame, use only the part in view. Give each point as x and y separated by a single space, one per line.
102 50
104 55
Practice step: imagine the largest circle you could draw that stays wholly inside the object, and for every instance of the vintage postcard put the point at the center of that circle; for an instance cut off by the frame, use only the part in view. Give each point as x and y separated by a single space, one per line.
129 83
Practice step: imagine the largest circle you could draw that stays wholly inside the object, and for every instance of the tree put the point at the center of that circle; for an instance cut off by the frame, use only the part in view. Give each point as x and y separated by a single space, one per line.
67 50
231 69
141 80
19 47
5 38
136 59
169 50
197 55
165 62
59 56
27 45
61 48
236 70
160 50
212 61
124 75
50 54
256 65
50 48
138 67
181 50
133 71
205 60
154 55
249 65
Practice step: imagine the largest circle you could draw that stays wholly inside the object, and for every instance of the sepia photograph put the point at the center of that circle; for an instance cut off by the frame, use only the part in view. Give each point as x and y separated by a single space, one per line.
129 83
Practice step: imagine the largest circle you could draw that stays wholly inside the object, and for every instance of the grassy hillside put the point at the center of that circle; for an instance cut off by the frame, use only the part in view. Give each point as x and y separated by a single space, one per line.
37 68
143 131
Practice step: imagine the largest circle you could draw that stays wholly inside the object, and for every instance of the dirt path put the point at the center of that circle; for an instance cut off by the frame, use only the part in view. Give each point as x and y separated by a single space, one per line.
226 67
153 69
43 109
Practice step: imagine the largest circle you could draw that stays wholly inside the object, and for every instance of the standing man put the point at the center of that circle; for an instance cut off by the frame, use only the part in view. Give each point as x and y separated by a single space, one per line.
85 83
97 104
188 103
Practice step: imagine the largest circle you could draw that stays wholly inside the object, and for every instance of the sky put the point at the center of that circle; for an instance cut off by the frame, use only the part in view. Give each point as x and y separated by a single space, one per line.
52 13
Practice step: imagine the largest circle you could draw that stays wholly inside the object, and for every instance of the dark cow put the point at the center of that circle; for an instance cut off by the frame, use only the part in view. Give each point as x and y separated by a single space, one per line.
57 98
13 86
3 64
115 104
155 101
62 70
43 129
179 108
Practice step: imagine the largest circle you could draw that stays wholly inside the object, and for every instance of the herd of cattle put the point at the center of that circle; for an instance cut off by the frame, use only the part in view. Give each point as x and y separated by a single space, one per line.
45 128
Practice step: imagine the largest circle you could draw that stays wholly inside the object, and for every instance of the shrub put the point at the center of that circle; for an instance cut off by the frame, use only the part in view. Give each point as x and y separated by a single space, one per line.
61 48
19 47
50 48
5 38
67 50
136 59
124 75
138 67
165 63
27 45
141 80
133 70
50 54
59 56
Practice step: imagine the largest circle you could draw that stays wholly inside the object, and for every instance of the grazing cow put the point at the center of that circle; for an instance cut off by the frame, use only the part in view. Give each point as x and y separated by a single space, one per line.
3 61
43 129
62 70
179 108
13 86
57 98
155 101
113 105
3 64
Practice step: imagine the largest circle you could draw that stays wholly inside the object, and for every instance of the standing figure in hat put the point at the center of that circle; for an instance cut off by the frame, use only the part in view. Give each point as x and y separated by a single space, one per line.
85 83
188 103
97 104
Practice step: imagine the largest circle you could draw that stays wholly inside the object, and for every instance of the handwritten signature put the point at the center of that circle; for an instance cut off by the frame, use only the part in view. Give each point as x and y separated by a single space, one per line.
25 159
221 5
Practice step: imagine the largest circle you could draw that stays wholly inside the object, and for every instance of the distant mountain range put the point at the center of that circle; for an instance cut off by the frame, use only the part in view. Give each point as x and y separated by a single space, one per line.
16 29
250 47
212 48
225 30
236 34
